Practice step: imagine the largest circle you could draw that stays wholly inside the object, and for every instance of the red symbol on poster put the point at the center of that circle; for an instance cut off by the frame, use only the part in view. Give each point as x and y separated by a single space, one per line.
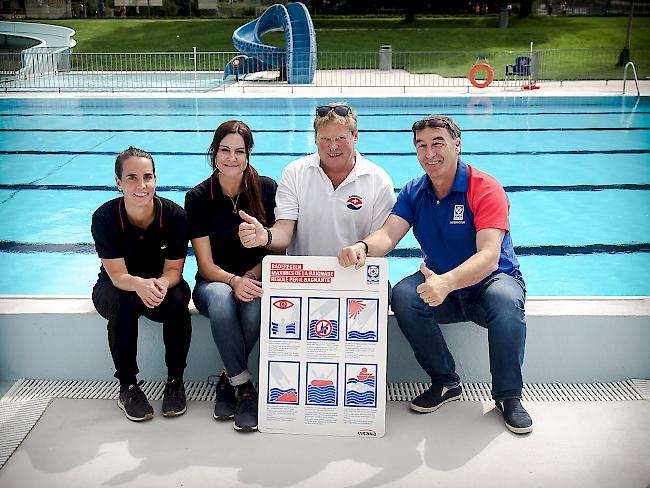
282 304
323 328
355 307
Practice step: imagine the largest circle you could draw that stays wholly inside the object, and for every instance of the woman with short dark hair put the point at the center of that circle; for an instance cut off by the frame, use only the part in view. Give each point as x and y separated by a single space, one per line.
141 239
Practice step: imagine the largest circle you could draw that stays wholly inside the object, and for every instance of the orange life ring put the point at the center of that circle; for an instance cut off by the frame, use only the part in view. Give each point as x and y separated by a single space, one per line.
235 63
481 66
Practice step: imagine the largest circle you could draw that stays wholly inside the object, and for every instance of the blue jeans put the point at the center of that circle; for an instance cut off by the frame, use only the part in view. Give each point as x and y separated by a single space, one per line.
498 305
235 326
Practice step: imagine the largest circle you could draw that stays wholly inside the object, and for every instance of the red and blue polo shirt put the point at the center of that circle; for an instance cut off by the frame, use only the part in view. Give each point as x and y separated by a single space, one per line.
446 228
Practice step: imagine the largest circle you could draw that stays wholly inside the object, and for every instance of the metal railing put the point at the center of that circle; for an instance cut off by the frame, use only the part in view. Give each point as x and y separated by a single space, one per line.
45 70
630 64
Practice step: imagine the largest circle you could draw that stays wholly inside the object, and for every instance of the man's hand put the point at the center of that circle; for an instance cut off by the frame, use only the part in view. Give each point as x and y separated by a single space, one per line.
251 232
246 289
435 288
354 255
151 291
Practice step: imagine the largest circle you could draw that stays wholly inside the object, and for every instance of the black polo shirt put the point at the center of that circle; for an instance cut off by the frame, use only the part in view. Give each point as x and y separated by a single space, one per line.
144 251
211 213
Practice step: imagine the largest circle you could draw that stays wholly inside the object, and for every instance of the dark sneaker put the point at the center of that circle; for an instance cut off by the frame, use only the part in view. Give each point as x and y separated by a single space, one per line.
246 411
174 401
515 415
224 403
134 403
435 397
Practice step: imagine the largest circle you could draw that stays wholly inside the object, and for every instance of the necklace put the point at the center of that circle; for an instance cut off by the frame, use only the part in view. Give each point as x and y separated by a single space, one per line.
234 202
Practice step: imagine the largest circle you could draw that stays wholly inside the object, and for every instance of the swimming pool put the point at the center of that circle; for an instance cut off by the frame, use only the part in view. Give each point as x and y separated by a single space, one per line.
577 172
110 81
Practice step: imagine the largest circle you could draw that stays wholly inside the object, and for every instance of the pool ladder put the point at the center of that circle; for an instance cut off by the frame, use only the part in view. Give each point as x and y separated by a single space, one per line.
636 80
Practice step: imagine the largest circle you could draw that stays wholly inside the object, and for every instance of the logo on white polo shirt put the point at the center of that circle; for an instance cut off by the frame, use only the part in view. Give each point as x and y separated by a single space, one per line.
459 214
355 202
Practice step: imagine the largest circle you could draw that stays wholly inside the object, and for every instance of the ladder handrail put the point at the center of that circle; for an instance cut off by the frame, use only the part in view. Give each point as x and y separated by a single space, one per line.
636 80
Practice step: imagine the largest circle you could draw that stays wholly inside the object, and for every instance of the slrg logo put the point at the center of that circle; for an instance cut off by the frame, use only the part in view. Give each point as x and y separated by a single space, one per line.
367 433
354 202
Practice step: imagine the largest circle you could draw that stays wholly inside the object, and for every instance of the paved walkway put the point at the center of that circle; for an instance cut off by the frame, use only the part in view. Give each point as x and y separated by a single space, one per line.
353 88
85 443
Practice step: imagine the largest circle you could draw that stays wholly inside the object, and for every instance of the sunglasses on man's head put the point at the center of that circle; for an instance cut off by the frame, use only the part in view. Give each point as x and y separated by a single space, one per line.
342 110
433 123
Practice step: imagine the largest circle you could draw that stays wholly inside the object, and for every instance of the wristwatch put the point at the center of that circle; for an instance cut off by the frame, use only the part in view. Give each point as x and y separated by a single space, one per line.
365 246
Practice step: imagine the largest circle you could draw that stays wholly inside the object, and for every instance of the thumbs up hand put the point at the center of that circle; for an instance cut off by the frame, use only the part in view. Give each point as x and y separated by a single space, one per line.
435 288
251 231
426 271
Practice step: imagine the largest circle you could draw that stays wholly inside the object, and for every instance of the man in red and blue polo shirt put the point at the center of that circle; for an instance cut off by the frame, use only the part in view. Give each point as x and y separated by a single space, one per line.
459 216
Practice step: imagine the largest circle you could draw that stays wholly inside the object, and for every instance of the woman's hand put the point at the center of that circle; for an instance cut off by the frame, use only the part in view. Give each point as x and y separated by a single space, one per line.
151 291
246 289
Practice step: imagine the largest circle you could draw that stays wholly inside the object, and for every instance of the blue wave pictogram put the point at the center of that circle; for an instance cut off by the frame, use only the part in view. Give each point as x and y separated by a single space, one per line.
368 382
355 398
289 395
355 335
333 335
324 395
289 329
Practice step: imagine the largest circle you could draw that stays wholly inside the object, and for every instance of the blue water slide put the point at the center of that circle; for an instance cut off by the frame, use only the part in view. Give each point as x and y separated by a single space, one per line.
297 59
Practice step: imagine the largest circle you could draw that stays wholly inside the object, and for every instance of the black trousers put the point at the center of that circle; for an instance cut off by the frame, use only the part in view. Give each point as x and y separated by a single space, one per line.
122 309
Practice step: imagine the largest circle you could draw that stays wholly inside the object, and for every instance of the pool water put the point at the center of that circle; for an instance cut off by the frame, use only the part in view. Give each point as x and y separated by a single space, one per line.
110 81
576 170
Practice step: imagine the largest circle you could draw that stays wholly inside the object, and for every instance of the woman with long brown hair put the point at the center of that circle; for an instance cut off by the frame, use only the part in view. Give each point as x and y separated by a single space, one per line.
228 282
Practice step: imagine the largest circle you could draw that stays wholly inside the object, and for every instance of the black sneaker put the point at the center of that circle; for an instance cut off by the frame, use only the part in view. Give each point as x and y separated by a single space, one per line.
224 403
246 411
174 401
134 403
435 397
515 415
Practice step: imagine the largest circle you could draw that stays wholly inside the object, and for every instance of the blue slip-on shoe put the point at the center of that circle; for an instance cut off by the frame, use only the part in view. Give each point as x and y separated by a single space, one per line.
435 397
515 415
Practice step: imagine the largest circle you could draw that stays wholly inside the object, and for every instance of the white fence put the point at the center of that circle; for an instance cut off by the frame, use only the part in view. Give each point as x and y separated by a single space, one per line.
39 69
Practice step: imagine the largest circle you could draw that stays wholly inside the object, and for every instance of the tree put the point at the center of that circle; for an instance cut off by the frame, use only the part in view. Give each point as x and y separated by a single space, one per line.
525 8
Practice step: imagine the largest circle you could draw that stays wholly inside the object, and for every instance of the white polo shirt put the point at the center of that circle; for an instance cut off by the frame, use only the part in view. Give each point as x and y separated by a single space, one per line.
329 219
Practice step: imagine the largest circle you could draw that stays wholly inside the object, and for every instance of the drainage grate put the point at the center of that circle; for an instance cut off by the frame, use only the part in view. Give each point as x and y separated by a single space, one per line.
17 419
643 386
535 392
406 391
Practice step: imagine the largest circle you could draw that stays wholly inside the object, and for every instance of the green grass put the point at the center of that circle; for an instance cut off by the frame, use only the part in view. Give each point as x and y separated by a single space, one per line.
346 34
469 34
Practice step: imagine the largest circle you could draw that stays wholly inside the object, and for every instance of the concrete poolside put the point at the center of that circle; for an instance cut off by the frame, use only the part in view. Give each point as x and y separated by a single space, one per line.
90 443
597 441
347 86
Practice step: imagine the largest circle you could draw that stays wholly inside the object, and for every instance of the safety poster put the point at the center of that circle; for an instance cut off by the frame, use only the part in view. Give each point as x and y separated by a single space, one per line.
323 347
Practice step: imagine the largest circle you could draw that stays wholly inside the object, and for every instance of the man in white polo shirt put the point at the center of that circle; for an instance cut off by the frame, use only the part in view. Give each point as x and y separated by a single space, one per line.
326 200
